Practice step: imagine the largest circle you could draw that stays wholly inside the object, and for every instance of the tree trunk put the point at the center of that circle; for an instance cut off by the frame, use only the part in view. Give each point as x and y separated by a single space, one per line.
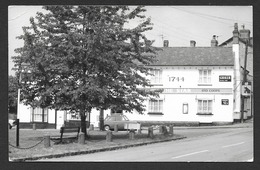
83 122
101 120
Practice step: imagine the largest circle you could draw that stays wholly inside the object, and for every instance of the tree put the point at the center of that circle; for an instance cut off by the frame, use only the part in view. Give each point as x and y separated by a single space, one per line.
12 94
83 57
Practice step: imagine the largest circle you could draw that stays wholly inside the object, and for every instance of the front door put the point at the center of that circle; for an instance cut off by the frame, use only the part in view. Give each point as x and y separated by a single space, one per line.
60 119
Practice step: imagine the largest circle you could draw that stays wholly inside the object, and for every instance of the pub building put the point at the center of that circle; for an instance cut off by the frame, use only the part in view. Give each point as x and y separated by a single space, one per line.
201 85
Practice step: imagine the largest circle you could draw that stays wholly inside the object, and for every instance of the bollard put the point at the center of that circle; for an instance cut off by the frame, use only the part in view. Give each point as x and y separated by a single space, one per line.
109 136
150 132
34 126
91 127
47 141
164 130
160 129
132 134
81 139
171 129
116 128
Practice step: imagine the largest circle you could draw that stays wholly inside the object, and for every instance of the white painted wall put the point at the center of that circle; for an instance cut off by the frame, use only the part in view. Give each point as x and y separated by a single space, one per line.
173 103
25 113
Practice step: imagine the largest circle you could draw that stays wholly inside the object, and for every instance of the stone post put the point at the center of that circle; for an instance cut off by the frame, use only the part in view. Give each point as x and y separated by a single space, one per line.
150 132
91 127
171 129
81 139
109 136
116 128
164 130
161 129
34 126
47 141
132 134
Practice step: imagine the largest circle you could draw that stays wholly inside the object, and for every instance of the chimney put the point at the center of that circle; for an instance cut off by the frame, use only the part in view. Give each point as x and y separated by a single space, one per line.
235 34
214 42
165 43
192 43
244 33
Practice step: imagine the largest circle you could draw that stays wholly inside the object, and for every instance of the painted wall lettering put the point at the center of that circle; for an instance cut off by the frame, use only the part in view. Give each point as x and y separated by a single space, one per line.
174 79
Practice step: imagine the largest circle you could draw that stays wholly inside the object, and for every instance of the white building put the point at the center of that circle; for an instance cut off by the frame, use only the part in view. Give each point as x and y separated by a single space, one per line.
200 85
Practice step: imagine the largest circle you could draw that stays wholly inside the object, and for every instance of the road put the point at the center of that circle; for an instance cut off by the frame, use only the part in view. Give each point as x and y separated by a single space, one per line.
201 145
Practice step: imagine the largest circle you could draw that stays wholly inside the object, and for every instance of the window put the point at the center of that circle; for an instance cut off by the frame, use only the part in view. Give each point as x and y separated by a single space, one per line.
185 108
204 106
39 114
205 76
155 106
156 78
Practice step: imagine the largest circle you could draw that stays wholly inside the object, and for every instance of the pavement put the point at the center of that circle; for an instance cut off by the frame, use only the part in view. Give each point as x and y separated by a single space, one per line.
246 124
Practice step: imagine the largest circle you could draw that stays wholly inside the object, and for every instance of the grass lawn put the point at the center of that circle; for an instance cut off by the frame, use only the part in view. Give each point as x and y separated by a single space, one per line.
28 138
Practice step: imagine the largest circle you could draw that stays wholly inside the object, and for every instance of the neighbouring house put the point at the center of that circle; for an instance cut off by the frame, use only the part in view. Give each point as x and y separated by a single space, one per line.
238 41
201 85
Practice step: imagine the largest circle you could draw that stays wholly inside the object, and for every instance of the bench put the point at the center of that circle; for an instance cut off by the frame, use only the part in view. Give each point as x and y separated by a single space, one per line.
68 130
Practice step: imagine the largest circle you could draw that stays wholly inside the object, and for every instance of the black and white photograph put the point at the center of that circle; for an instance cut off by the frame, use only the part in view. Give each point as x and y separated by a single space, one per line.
129 83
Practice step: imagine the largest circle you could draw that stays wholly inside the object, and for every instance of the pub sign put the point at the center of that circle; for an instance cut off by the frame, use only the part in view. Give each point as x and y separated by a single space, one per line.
224 102
224 78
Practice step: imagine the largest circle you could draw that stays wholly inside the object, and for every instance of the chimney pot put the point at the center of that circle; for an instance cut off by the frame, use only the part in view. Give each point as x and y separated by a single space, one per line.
235 34
192 43
165 43
244 33
214 42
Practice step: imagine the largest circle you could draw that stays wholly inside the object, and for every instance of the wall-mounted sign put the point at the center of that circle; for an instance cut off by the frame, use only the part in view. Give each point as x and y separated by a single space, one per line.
224 78
224 102
246 89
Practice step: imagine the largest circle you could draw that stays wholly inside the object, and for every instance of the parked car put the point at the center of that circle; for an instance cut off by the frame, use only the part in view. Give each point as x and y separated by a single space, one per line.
122 122
12 123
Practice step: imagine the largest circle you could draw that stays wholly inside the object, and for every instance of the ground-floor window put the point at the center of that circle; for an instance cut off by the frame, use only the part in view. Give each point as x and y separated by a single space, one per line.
39 114
155 106
204 106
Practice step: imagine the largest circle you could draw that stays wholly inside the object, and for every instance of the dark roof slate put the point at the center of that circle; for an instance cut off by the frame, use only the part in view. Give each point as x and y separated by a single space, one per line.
195 56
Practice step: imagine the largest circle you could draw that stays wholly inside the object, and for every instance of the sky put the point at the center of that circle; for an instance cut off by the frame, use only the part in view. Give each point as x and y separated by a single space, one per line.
177 24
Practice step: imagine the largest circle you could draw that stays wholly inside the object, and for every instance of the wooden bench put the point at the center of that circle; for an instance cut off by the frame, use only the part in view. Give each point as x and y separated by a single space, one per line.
68 130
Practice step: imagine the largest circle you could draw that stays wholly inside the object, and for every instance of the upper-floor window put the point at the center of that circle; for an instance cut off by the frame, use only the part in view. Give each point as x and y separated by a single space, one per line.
156 77
205 76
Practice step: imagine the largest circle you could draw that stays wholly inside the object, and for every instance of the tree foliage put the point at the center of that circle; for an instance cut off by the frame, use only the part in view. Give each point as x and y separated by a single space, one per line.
83 57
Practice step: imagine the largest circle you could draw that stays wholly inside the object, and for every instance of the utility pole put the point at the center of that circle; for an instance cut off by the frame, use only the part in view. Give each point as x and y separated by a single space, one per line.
243 82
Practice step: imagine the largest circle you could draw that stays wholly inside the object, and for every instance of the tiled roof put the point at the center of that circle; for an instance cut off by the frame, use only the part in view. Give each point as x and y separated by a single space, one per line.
195 56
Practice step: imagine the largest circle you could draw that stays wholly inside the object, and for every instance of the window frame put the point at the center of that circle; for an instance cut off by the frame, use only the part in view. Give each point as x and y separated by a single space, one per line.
205 107
43 115
205 77
155 107
156 77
